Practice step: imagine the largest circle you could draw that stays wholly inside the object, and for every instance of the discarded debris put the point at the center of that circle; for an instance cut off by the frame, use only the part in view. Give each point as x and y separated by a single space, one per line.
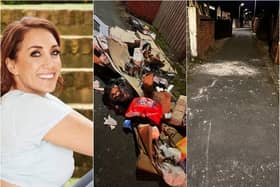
127 124
144 107
111 122
173 175
179 112
170 152
143 95
155 133
137 25
96 86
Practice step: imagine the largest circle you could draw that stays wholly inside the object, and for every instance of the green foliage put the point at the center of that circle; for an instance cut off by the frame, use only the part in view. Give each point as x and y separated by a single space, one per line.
160 40
179 80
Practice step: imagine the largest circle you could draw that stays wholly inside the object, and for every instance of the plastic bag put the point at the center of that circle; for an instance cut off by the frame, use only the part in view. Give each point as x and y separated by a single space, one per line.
146 108
173 175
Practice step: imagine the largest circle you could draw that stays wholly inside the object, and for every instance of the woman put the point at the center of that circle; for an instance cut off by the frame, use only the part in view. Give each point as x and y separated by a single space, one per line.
38 131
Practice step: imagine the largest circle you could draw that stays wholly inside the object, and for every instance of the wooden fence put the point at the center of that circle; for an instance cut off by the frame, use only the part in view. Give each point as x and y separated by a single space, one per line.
171 23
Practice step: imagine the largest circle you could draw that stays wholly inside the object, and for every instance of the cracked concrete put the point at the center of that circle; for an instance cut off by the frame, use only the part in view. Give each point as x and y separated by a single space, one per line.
233 110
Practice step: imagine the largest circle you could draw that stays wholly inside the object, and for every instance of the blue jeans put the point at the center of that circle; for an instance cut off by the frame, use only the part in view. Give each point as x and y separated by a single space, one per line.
86 180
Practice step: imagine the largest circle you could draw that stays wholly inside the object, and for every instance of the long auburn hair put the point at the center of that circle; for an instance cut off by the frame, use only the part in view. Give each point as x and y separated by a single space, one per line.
11 39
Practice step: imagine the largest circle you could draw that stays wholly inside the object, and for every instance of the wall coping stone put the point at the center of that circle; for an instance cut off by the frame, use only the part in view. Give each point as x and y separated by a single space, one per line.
66 6
76 70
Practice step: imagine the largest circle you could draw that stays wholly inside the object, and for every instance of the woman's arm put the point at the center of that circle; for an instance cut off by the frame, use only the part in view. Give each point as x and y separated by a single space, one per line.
6 184
74 132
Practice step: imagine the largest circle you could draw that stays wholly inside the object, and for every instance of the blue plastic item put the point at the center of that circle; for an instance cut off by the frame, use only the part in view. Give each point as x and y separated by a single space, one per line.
127 124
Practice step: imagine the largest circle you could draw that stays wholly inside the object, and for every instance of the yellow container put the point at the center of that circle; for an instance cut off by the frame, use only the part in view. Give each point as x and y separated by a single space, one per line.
182 146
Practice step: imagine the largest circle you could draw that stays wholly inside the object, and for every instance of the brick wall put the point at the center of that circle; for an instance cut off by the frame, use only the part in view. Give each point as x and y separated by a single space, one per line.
68 22
223 28
274 49
206 35
146 10
267 29
171 23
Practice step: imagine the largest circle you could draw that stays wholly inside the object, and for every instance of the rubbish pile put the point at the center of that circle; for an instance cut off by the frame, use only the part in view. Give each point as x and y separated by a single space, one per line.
144 96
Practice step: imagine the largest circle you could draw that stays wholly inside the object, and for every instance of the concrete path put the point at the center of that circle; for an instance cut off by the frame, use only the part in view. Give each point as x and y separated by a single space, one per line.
111 13
233 128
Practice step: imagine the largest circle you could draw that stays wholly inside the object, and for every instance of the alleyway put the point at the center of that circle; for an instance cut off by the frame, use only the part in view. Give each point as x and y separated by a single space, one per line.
233 127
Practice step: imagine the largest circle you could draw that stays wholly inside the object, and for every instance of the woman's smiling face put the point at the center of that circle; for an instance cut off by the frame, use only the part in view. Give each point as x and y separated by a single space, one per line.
37 64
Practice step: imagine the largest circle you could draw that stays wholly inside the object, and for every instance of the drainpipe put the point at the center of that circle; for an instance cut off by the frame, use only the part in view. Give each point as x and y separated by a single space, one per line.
255 5
193 21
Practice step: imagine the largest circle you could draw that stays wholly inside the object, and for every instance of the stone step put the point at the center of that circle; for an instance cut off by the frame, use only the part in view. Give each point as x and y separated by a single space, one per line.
43 1
69 18
82 165
76 51
77 85
85 109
